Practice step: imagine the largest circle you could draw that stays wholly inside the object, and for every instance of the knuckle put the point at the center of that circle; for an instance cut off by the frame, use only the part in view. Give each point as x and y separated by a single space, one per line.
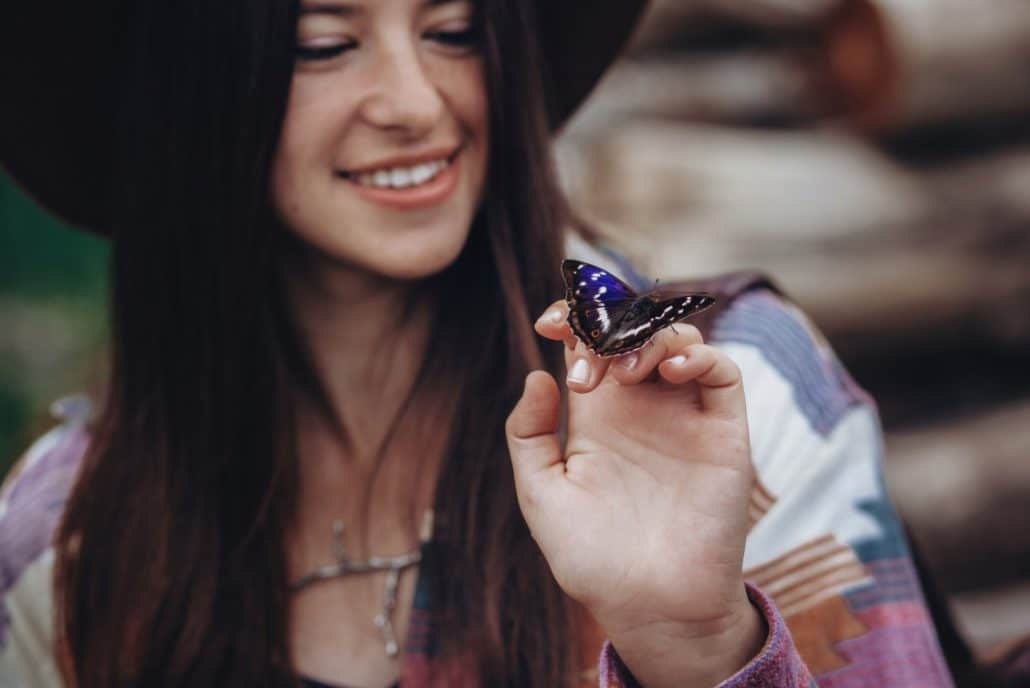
691 333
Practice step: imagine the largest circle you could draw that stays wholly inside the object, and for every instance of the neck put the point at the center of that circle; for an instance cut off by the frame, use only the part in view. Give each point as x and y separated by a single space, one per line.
366 336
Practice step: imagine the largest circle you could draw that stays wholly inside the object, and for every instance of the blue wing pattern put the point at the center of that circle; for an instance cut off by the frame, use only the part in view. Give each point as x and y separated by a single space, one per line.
610 318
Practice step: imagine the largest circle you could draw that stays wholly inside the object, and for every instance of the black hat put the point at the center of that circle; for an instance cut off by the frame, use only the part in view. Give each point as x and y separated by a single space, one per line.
57 88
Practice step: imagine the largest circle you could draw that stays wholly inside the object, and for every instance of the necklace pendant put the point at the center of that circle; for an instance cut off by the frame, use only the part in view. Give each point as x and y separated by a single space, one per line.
389 641
392 565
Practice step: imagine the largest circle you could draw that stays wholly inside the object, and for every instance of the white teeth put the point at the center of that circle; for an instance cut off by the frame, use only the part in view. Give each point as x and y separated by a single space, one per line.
422 173
402 177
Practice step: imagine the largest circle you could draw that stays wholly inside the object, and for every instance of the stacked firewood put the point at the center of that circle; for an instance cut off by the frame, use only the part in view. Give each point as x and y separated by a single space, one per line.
873 156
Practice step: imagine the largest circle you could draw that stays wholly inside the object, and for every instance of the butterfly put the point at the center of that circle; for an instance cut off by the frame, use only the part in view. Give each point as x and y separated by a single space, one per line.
612 319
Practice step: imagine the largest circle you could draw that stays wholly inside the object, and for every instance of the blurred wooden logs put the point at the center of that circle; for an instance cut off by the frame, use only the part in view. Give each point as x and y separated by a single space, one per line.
742 87
885 65
670 21
906 63
873 156
992 620
872 248
975 470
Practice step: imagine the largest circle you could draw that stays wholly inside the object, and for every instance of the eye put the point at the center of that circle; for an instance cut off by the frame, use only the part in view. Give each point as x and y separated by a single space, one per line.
458 38
462 38
309 53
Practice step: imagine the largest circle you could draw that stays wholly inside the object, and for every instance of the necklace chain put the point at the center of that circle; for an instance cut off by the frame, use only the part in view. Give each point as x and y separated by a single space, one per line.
394 566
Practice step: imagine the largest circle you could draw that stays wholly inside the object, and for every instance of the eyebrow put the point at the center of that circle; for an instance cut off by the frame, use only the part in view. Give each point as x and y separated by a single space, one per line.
339 9
331 8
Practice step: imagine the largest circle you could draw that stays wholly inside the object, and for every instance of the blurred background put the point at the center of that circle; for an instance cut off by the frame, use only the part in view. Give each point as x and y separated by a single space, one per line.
53 318
873 156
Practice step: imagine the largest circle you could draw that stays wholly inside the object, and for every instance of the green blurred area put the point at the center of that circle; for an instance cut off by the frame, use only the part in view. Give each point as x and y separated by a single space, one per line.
53 320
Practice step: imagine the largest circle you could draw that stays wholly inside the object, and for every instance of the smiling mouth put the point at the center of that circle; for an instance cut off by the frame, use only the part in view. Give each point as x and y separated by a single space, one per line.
402 177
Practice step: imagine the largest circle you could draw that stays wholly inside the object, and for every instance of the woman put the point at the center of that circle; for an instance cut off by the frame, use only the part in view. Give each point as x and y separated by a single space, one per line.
333 225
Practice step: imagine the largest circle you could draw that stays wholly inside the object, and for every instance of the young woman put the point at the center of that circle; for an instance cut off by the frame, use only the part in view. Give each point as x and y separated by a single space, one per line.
322 456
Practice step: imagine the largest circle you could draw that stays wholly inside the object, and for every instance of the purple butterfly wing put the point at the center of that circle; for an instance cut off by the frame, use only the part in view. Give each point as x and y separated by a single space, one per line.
648 316
597 300
611 319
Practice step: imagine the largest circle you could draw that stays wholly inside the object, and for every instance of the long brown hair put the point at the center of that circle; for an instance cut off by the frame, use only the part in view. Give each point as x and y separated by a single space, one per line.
171 565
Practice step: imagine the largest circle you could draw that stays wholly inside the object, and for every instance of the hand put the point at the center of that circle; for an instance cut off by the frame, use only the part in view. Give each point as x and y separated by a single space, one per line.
642 515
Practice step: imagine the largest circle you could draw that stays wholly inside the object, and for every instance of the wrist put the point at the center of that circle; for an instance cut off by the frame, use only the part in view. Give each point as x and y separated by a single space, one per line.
703 654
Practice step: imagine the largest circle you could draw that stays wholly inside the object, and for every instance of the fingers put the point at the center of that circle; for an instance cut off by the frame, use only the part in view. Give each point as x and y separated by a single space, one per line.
681 356
585 369
716 375
553 324
640 365
532 430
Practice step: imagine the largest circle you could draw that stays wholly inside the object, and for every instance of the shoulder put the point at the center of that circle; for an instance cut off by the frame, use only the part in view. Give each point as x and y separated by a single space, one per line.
32 501
826 544
787 364
785 359
810 424
41 479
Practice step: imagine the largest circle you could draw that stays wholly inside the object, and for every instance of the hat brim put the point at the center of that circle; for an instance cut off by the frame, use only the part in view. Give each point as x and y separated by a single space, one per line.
56 131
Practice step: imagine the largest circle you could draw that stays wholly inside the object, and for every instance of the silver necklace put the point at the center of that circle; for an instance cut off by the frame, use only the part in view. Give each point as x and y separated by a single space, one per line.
393 565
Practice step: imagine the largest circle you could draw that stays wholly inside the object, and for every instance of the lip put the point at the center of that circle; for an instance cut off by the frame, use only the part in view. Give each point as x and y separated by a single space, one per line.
449 153
425 195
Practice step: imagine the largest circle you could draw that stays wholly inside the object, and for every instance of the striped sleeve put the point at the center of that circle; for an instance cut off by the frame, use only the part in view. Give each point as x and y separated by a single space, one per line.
777 665
826 545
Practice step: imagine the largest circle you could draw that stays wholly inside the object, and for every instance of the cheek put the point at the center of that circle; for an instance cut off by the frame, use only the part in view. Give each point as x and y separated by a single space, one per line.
465 88
472 108
477 105
284 192
302 149
474 94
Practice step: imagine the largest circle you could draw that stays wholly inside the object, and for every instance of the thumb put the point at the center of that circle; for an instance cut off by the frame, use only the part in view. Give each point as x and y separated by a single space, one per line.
532 429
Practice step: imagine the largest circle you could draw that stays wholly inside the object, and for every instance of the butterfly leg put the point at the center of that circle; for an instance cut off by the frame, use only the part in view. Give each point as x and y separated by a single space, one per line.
674 329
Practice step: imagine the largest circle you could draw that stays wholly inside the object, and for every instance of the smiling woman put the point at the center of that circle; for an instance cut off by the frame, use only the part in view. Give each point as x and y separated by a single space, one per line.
331 222
332 448
387 112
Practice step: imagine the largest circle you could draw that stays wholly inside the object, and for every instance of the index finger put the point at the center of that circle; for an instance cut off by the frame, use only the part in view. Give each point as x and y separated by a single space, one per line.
554 324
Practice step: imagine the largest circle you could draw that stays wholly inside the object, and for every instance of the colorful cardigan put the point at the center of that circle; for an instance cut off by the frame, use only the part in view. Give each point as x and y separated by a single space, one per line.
826 560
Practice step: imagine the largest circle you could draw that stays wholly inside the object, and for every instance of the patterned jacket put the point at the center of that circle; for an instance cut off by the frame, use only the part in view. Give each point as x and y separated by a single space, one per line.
826 560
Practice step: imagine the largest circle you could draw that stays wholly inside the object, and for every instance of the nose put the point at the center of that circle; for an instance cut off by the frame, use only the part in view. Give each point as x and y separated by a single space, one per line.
404 99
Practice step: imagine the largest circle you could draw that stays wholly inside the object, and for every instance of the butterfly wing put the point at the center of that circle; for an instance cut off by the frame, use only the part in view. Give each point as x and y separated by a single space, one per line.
611 319
649 316
598 302
669 311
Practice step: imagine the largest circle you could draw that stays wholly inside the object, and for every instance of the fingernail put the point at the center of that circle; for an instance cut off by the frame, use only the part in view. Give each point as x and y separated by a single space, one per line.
678 360
629 361
552 315
580 372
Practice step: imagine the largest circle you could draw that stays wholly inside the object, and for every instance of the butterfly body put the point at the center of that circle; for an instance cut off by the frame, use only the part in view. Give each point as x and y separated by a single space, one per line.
610 318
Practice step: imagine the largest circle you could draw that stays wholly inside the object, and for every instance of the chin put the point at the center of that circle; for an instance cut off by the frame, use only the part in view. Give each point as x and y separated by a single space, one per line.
417 265
405 251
